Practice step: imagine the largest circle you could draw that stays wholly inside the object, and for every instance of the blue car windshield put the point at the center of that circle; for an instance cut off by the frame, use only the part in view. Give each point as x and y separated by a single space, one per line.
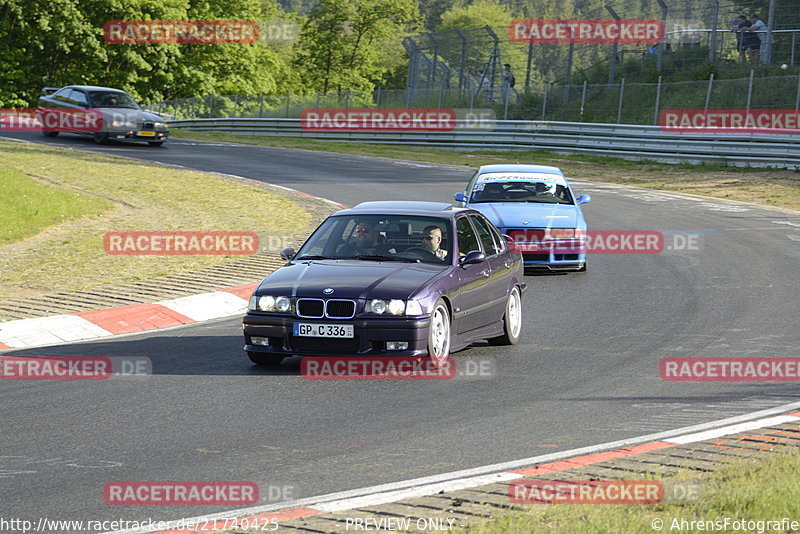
400 238
521 191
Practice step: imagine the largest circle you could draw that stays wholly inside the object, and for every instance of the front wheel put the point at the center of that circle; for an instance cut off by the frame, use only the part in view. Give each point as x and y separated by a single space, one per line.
439 334
155 143
512 320
260 358
50 134
101 138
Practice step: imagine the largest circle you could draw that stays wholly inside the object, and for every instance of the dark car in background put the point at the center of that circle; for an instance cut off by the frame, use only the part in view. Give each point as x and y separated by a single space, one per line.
122 117
406 279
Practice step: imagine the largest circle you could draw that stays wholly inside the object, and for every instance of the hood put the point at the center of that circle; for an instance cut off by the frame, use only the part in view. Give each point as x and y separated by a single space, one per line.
513 214
350 279
128 114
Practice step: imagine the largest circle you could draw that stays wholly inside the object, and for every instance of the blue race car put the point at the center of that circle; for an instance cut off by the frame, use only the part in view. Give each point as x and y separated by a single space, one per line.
533 205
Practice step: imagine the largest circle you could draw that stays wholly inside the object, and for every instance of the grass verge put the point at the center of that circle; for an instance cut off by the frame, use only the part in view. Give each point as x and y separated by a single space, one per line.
767 187
30 206
749 489
63 254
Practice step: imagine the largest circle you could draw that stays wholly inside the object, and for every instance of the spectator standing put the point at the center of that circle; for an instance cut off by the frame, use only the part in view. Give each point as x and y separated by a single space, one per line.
739 23
760 30
508 82
751 44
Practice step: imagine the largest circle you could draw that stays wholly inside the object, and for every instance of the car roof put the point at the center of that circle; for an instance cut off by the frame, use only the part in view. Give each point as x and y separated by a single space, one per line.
516 167
93 88
403 207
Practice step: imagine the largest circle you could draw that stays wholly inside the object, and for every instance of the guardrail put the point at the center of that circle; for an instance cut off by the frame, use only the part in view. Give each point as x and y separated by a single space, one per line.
633 142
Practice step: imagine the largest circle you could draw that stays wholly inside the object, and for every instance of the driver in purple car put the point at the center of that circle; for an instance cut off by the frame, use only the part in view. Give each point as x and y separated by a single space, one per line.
432 240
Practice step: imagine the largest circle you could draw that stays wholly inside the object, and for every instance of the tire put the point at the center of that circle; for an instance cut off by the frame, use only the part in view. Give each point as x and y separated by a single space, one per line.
439 334
512 320
155 143
101 138
50 134
584 268
259 358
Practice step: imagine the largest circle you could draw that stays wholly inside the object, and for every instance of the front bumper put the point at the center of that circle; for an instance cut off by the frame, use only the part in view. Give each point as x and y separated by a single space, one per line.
134 135
370 336
554 254
553 261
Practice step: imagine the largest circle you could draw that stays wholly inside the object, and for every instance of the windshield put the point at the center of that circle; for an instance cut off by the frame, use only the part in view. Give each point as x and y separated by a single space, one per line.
111 99
495 187
400 238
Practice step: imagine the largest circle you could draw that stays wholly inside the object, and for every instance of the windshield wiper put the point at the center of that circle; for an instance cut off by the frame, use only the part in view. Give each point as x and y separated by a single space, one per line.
313 257
377 257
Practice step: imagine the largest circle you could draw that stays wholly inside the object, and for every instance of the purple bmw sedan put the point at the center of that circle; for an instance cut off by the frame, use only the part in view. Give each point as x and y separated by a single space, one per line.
409 279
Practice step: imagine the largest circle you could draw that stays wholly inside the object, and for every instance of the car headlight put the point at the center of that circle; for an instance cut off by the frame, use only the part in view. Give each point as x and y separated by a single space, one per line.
413 307
270 303
283 304
393 307
160 125
125 124
376 306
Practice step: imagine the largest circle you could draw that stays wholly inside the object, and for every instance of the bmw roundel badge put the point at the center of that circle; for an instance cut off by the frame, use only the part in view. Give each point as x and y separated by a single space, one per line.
328 290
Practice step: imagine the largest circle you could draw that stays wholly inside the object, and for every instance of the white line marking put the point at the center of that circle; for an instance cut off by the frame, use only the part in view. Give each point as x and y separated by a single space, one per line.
733 429
420 491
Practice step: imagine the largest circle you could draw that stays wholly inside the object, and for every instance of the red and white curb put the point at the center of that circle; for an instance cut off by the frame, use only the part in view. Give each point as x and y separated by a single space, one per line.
93 324
470 478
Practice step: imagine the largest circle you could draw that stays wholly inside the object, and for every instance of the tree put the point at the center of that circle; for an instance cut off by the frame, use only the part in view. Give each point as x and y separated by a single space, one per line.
60 42
480 13
340 45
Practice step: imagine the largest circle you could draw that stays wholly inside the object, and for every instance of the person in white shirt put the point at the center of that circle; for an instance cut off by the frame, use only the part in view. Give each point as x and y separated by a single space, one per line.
760 31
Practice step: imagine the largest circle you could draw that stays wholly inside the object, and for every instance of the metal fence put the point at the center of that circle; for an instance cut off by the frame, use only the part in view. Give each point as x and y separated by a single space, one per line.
619 103
780 150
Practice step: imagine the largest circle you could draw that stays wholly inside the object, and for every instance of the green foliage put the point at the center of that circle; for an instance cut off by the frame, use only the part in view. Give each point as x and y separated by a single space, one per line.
477 14
432 11
60 42
341 45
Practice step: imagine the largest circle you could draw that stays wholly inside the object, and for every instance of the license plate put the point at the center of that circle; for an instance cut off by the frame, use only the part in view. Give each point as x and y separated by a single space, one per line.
146 134
323 330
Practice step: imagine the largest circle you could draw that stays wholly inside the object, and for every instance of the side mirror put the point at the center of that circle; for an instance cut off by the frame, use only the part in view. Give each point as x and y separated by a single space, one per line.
473 256
583 199
288 253
460 197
